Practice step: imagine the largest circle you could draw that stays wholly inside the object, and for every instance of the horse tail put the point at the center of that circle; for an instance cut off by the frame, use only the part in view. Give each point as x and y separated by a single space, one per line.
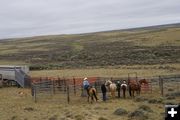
94 93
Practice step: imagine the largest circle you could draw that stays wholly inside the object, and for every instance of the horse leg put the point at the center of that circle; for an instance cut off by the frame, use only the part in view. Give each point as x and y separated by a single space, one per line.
88 98
133 94
140 90
95 95
113 94
118 93
130 91
92 98
124 95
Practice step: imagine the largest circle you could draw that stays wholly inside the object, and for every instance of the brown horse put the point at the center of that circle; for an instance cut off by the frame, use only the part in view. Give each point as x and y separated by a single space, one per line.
144 84
143 81
92 93
134 86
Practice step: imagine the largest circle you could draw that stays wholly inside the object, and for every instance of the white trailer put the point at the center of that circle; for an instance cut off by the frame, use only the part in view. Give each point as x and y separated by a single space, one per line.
18 74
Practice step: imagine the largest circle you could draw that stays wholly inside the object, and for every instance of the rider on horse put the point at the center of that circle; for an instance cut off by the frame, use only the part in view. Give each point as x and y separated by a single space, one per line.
86 85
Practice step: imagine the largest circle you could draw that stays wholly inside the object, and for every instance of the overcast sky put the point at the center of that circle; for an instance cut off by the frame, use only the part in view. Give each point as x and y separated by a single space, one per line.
20 18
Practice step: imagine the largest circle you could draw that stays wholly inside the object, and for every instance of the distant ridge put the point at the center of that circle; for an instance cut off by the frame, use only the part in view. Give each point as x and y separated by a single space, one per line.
145 28
128 29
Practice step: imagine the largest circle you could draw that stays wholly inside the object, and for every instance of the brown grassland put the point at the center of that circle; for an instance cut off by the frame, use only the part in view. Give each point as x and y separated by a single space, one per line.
149 52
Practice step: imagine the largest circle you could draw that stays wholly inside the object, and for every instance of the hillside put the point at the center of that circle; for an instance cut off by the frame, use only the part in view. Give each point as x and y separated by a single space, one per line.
142 46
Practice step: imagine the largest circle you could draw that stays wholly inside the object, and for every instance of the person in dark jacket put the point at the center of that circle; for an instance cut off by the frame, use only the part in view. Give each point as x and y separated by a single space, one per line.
103 89
118 88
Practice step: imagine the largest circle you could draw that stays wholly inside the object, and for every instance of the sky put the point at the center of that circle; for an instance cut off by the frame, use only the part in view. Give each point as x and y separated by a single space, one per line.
25 18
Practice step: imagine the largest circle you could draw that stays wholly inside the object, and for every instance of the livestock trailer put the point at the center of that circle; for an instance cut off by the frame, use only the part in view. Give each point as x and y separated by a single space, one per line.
17 74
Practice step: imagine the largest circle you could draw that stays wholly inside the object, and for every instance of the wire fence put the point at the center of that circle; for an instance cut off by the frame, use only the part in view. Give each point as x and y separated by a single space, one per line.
63 90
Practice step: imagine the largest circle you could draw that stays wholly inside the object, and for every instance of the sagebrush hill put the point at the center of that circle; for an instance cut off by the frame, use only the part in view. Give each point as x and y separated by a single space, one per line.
149 45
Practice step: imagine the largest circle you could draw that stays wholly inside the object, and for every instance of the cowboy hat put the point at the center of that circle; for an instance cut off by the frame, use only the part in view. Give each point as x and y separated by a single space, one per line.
85 78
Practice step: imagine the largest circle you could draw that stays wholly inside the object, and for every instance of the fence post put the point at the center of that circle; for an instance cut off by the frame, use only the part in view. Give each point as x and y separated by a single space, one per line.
162 89
65 85
68 98
32 90
53 86
151 86
35 97
161 85
136 77
74 82
160 82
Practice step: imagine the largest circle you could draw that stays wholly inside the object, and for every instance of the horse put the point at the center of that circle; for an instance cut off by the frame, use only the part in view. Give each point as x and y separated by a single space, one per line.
92 93
144 84
134 86
143 81
112 87
123 87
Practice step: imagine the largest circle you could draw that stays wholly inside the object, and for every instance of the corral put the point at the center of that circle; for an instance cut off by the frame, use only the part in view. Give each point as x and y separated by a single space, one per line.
52 100
65 90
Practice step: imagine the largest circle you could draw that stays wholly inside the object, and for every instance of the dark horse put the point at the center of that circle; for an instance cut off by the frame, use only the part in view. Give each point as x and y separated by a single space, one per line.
92 93
123 87
134 86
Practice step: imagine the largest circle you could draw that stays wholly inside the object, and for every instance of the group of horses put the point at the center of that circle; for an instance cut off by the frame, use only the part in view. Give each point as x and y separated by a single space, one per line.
132 85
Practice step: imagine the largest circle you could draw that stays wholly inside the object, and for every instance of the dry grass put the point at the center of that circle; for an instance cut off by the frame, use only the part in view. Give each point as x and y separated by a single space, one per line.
12 62
166 37
22 107
122 71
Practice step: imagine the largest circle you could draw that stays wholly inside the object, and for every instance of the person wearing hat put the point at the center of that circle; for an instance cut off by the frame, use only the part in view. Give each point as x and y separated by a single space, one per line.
124 83
86 84
118 88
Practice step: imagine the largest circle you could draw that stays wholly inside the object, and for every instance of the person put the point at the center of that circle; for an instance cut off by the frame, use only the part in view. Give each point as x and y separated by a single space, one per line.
124 83
123 87
103 89
118 88
86 85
